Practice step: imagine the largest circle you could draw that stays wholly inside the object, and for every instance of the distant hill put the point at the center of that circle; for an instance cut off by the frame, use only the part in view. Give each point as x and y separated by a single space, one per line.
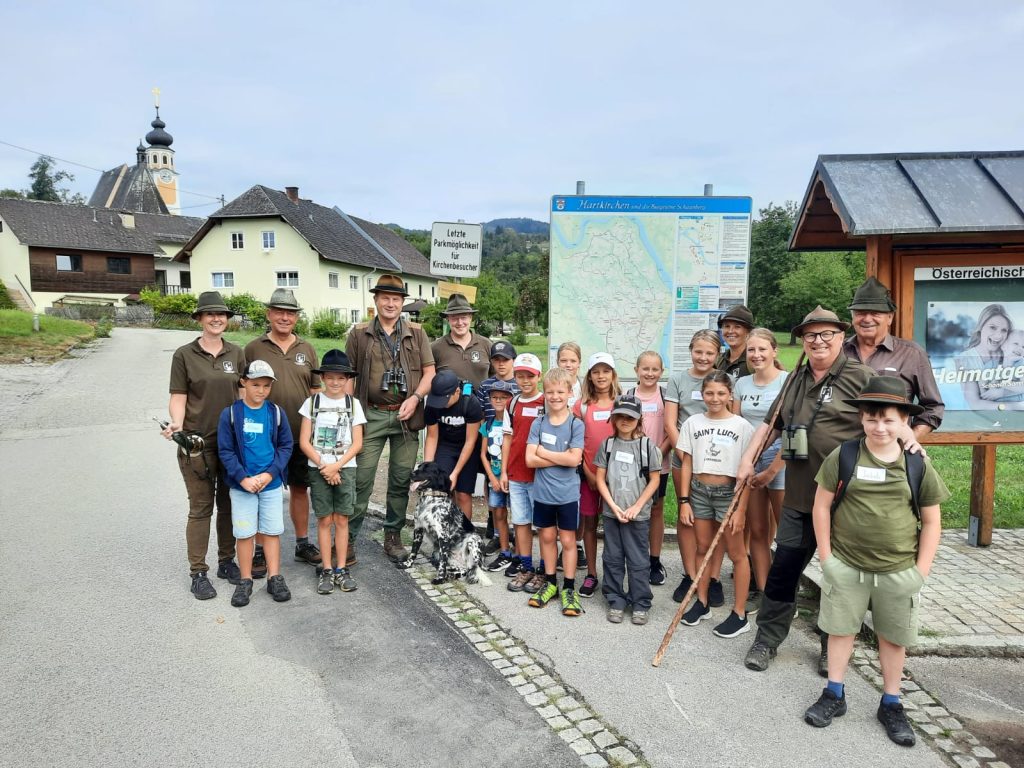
522 226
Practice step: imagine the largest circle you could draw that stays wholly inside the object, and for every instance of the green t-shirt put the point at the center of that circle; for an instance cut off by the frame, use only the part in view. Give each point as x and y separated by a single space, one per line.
875 529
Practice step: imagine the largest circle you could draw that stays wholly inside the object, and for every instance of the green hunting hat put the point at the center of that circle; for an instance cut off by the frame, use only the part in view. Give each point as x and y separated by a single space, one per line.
458 305
283 298
738 314
211 301
873 296
820 315
886 390
390 284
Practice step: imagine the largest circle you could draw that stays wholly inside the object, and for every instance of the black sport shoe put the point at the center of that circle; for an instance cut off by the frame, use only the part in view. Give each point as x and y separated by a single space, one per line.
500 563
201 587
697 613
759 656
325 583
228 569
581 557
259 564
716 597
242 593
278 589
589 586
492 546
732 626
307 552
514 568
658 575
821 712
896 725
684 586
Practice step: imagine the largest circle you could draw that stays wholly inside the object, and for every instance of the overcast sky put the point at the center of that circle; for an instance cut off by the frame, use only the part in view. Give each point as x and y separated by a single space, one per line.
415 112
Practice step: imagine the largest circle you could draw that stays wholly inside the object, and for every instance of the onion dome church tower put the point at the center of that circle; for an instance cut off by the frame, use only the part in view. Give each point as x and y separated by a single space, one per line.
160 161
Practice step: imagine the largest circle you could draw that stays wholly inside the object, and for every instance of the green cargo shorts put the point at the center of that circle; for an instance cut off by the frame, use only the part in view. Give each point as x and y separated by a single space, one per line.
333 499
893 598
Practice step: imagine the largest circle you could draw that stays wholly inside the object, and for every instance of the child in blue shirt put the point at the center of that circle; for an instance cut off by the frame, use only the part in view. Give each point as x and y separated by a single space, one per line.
492 436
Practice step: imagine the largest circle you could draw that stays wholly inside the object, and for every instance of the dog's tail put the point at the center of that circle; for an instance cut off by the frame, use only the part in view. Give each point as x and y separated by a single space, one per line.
484 579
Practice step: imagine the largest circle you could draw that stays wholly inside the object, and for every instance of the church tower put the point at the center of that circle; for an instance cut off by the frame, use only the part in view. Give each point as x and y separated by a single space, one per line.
160 161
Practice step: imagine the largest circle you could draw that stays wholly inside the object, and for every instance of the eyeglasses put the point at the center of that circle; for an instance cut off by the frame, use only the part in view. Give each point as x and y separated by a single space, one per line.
823 335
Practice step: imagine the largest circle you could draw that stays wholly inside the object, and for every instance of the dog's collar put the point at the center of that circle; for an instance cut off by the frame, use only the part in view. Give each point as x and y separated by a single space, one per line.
436 493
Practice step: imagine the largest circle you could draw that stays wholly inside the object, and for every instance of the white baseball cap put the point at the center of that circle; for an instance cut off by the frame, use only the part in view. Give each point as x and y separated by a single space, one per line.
259 369
601 357
527 362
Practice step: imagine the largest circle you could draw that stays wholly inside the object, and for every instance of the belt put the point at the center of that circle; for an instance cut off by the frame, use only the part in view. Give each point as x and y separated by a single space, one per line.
385 407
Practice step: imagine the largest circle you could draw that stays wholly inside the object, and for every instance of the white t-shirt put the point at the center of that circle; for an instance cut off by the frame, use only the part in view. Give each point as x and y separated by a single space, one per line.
332 433
716 445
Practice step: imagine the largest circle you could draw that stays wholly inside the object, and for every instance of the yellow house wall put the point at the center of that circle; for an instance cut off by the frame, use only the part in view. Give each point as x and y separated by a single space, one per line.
13 260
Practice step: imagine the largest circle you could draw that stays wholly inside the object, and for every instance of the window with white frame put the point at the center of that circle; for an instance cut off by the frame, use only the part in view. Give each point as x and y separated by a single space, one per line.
222 279
336 314
332 279
355 315
353 282
237 241
269 240
288 279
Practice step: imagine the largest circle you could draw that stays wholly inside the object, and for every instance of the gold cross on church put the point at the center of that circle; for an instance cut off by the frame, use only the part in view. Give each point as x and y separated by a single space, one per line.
156 97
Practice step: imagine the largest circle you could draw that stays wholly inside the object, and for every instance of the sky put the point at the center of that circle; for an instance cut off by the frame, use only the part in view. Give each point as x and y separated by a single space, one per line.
409 113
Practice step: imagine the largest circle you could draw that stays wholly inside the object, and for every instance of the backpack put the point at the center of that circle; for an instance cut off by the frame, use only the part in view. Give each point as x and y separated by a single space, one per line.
645 454
315 409
277 420
511 409
631 392
848 452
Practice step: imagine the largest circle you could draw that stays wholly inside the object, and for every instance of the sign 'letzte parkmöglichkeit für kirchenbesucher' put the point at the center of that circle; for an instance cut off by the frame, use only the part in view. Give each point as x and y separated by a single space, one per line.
455 249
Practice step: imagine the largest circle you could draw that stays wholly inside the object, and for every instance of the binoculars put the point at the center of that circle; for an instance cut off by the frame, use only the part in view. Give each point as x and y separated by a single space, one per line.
394 378
191 443
794 442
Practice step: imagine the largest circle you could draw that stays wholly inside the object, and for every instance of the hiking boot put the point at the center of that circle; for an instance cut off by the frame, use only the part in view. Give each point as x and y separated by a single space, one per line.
307 552
228 569
697 613
543 595
897 728
515 567
716 597
325 584
344 581
732 626
823 658
500 563
278 589
753 601
589 586
393 545
259 564
658 575
821 712
581 557
639 618
570 603
684 586
615 615
201 587
242 593
519 581
350 555
535 583
759 656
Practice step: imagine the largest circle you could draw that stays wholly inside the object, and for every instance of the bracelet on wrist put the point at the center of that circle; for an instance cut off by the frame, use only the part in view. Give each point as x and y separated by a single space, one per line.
684 499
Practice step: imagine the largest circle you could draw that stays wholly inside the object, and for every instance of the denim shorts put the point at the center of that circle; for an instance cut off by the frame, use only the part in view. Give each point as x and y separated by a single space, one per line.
710 502
779 481
496 499
565 517
520 502
253 513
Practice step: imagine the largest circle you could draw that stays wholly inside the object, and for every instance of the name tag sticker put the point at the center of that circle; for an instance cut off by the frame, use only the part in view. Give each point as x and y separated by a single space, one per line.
697 395
602 415
625 458
530 413
547 438
650 407
871 474
253 427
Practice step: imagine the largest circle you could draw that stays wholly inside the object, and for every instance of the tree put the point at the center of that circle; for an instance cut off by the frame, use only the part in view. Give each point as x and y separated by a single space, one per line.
820 278
495 301
45 179
770 261
15 193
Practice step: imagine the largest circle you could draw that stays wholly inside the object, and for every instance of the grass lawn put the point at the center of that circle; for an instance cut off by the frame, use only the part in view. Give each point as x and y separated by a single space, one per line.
55 337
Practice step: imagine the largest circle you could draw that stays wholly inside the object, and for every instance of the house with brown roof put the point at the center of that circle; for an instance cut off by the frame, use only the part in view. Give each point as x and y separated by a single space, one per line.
266 239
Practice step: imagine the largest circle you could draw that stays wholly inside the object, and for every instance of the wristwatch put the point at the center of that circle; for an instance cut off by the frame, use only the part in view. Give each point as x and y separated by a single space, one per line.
684 499
418 396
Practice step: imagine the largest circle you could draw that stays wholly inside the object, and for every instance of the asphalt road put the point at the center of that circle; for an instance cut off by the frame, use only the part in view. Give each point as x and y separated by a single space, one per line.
107 659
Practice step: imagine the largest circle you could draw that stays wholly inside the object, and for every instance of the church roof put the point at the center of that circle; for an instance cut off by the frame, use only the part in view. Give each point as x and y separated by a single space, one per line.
128 188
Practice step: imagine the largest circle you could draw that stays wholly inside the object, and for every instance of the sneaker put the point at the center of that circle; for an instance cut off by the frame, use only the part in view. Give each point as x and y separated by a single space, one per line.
514 568
519 581
201 586
753 601
500 563
344 581
228 569
759 656
325 584
543 595
716 597
639 618
697 613
278 589
259 564
243 591
897 728
581 557
307 552
589 586
492 546
684 586
570 603
821 712
615 615
535 583
658 575
732 626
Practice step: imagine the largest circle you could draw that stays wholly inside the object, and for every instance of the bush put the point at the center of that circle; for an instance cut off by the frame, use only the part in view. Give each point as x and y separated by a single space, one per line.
5 298
247 306
517 337
175 304
103 328
325 326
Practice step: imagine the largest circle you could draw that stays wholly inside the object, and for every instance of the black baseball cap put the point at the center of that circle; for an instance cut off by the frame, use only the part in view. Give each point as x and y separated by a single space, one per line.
503 349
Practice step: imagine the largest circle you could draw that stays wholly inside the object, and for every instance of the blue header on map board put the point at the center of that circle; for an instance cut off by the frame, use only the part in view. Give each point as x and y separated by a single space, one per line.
597 204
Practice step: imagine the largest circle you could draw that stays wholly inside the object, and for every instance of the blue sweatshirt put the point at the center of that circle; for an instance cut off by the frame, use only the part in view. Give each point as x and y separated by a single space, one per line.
231 444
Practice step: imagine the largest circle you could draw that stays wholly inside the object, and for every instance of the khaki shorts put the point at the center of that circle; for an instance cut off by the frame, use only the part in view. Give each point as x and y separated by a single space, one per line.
332 499
893 598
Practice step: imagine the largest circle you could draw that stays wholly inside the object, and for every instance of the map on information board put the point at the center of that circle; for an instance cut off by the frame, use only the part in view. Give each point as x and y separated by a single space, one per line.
629 274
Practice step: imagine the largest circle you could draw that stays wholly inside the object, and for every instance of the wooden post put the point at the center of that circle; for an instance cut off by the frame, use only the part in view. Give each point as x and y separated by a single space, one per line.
983 486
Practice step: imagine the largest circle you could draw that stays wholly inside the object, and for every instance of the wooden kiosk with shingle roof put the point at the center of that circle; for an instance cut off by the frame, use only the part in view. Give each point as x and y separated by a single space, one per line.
934 226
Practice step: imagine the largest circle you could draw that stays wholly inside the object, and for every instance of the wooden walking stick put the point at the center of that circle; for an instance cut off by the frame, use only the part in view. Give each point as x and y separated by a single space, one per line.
736 499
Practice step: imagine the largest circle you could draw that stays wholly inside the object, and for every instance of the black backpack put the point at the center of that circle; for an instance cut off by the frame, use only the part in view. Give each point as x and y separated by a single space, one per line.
645 454
848 452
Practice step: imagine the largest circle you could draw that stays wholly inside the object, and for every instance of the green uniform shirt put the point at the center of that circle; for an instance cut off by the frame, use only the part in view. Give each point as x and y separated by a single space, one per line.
874 528
294 372
209 382
470 364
